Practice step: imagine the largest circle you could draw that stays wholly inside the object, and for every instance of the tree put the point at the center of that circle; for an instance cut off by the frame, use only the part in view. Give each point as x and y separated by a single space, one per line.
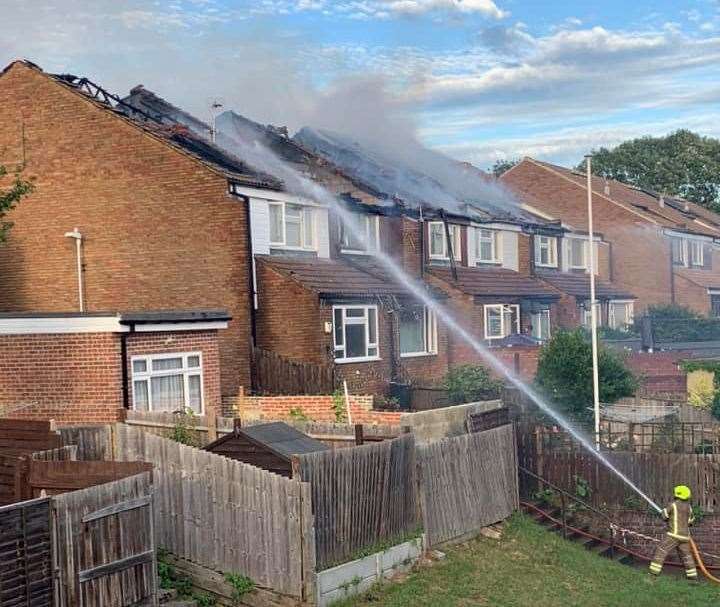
565 373
501 166
682 164
471 383
19 188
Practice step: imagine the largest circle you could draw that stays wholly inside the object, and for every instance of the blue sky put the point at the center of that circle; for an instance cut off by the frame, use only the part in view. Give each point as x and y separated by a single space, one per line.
477 79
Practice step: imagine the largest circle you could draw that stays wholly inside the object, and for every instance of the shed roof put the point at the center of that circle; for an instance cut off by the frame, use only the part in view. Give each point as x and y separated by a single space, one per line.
280 438
578 285
495 281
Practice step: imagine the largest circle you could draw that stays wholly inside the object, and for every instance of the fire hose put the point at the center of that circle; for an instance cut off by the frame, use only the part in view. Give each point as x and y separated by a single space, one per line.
699 561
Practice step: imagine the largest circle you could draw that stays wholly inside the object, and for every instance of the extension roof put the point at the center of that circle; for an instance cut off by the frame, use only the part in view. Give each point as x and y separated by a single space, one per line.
491 282
330 277
577 284
280 438
675 213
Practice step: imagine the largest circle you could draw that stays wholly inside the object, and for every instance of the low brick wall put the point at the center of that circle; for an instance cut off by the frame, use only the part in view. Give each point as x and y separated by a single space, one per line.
660 372
706 533
317 408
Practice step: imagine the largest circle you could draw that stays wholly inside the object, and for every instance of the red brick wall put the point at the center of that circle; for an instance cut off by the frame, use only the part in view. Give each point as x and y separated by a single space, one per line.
71 378
205 342
690 294
659 372
160 229
640 255
317 408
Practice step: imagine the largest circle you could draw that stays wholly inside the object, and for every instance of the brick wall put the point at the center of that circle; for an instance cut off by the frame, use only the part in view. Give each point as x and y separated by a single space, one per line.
205 342
160 230
659 372
317 408
690 294
71 378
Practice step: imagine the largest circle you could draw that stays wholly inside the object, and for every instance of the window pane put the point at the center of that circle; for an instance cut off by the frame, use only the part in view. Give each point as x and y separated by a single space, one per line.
355 341
168 393
437 239
412 330
355 312
292 234
308 227
510 320
163 364
193 361
139 366
351 232
276 230
140 391
338 326
577 253
372 325
194 393
493 320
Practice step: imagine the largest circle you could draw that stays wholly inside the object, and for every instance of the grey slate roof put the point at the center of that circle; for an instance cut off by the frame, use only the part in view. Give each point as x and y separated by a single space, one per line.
283 439
577 284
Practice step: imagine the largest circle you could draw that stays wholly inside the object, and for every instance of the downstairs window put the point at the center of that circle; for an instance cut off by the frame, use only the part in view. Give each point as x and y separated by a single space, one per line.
501 320
167 382
355 333
418 331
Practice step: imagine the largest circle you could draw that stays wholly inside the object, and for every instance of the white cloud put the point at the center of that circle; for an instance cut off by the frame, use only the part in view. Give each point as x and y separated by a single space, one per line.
485 7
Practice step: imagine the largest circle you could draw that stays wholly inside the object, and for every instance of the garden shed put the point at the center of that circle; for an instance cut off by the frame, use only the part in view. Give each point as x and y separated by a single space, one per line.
268 446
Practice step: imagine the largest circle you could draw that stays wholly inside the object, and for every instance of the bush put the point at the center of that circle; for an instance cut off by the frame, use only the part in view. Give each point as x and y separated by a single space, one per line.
471 383
674 323
565 373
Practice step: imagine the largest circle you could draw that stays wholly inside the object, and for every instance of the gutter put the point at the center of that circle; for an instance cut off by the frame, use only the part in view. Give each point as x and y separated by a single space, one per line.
124 368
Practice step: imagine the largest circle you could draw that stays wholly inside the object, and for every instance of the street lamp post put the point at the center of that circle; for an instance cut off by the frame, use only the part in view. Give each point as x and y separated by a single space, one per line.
593 305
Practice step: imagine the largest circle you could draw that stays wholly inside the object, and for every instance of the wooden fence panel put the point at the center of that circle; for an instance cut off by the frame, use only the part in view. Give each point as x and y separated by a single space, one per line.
93 442
223 514
361 496
467 482
274 374
106 549
26 560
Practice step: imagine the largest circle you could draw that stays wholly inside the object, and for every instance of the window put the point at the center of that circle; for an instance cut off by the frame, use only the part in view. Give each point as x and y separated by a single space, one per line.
585 312
167 382
501 320
678 251
577 253
355 331
546 251
350 236
292 226
438 242
541 325
487 249
715 304
697 257
418 331
620 314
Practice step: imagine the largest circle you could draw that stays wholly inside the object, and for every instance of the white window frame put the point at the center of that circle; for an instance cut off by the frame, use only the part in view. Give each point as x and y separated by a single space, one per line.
683 244
550 244
429 335
455 234
584 265
370 340
629 318
495 242
536 326
502 308
696 253
185 371
372 227
305 211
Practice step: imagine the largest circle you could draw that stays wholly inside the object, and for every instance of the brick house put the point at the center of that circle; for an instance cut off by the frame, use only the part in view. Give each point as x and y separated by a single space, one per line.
87 367
661 249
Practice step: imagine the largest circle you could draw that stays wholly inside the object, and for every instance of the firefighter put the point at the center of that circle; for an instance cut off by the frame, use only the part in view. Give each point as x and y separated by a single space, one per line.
679 517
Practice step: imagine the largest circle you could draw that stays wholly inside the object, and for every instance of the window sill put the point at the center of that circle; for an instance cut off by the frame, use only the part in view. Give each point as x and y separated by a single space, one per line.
349 252
418 354
546 265
480 264
349 361
282 247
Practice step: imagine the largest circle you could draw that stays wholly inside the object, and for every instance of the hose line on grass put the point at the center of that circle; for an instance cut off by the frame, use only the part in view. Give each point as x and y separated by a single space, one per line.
699 561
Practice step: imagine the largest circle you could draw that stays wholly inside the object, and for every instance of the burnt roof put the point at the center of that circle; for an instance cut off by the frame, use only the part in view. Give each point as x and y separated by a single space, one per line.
331 277
577 284
494 282
278 437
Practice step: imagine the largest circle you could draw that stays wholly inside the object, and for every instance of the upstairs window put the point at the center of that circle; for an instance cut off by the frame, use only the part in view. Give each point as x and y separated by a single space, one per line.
541 325
620 314
363 236
679 254
546 251
487 246
438 242
292 226
355 331
697 253
577 254
167 382
418 331
501 320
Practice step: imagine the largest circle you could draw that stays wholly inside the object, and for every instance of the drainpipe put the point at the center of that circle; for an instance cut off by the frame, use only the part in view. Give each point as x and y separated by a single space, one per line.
421 221
78 255
672 277
124 370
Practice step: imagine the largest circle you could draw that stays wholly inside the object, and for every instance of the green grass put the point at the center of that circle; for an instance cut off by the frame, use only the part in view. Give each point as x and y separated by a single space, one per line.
533 567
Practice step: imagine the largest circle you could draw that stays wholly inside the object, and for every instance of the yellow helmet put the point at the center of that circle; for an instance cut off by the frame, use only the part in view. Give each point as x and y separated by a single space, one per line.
682 492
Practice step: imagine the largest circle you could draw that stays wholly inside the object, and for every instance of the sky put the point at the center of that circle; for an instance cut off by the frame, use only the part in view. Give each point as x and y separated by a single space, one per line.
479 80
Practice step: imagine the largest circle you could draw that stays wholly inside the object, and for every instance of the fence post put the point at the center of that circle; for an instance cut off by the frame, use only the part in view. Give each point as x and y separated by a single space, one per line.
359 435
211 425
562 511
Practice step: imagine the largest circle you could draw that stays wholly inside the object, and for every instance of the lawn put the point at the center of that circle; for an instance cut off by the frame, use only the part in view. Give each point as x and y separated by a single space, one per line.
530 566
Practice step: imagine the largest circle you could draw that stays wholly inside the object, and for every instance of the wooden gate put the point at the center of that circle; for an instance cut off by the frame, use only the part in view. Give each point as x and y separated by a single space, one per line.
26 572
106 546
